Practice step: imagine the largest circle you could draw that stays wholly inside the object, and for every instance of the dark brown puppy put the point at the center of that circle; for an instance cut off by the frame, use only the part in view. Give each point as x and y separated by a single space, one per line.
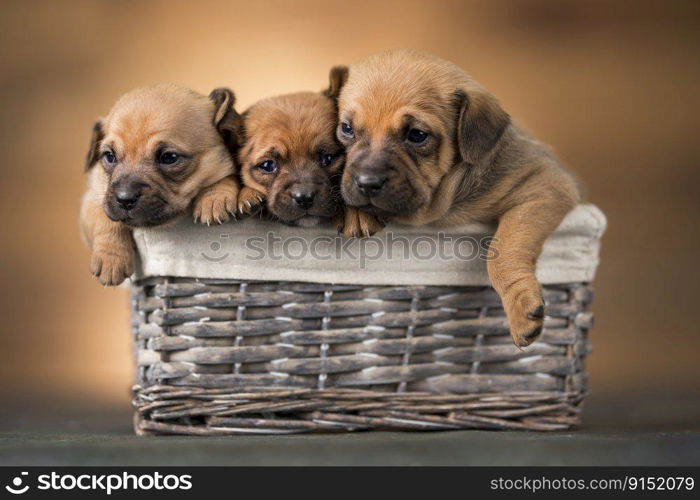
157 149
292 161
427 144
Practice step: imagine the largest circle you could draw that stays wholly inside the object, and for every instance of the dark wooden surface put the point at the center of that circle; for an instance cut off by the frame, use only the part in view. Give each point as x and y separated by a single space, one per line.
622 429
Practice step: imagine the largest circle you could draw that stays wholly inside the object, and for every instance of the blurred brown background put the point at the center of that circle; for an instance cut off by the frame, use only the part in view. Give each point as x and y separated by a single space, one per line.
612 85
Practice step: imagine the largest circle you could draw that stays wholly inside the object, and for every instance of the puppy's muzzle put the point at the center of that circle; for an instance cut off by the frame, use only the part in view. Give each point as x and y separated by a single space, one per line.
304 199
381 187
127 196
303 196
136 203
370 184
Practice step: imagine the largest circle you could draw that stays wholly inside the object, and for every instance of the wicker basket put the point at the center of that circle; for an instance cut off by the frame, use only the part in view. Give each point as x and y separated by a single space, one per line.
235 356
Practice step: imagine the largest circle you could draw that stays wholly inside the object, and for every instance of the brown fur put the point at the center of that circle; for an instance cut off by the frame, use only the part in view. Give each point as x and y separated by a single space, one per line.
296 131
475 165
142 125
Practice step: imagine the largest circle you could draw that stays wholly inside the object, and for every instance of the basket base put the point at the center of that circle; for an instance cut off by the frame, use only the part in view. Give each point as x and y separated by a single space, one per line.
164 409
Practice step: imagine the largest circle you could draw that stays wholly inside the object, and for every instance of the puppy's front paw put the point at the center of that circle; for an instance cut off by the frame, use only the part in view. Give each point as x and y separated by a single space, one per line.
356 224
112 265
215 204
250 201
524 308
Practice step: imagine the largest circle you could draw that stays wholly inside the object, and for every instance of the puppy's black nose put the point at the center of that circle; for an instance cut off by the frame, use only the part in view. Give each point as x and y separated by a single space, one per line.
303 197
370 184
127 197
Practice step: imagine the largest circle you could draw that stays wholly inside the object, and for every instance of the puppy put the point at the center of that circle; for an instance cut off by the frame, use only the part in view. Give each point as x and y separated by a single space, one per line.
292 162
157 149
427 144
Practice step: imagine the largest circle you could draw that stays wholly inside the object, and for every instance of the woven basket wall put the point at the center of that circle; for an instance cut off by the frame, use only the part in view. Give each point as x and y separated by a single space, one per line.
230 357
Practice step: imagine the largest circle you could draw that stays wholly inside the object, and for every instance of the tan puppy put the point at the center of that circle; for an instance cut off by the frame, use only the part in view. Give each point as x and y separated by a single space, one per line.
157 149
427 144
292 161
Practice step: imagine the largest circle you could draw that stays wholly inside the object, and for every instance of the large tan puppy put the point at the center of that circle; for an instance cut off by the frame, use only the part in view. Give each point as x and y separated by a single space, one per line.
427 144
292 161
157 149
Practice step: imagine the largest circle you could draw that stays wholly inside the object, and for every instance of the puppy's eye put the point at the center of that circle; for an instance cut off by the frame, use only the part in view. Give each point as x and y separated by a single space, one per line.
268 166
109 157
168 158
416 136
347 129
327 159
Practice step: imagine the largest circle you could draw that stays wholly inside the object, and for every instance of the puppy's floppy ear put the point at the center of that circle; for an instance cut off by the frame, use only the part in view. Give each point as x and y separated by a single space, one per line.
226 119
336 79
93 153
480 123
